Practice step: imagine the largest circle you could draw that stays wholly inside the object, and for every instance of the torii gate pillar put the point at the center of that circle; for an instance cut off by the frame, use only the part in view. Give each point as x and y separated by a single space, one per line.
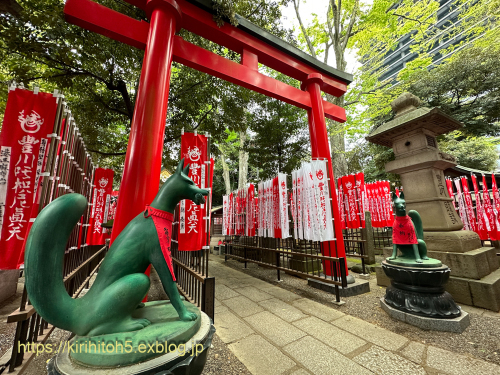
321 150
144 151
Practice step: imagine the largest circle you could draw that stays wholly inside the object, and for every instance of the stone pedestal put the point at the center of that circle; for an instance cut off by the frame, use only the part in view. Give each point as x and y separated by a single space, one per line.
186 355
304 264
8 283
420 292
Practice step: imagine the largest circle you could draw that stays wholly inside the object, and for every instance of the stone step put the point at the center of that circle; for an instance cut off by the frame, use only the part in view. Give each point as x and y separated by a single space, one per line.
473 264
483 293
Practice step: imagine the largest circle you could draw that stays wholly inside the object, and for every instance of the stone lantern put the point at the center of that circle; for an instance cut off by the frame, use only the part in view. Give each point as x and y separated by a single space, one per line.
475 273
412 135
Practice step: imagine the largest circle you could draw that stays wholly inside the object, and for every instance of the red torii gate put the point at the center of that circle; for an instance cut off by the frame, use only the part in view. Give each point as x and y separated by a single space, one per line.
162 46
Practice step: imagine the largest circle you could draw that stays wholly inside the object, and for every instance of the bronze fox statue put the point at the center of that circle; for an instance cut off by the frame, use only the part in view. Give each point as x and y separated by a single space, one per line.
416 249
120 284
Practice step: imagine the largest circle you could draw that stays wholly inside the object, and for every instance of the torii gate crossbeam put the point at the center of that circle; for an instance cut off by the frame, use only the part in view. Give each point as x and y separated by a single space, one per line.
162 46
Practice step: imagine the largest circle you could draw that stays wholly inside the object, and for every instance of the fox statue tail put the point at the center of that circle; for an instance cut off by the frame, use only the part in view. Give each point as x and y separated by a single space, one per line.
44 260
417 222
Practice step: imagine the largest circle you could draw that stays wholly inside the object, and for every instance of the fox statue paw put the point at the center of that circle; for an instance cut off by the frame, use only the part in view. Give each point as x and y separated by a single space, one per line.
187 316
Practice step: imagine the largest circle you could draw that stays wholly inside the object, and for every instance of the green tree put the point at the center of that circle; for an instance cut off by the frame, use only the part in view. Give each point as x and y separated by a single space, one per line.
472 152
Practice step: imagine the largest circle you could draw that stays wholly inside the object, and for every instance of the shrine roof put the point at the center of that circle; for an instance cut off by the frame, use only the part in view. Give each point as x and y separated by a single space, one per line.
432 119
257 32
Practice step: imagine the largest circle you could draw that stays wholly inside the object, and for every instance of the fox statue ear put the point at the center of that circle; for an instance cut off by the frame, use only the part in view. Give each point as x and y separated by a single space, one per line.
401 195
179 167
186 170
394 196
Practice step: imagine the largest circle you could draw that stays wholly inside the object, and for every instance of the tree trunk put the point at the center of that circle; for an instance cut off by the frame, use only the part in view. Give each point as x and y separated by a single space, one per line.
225 174
337 141
243 162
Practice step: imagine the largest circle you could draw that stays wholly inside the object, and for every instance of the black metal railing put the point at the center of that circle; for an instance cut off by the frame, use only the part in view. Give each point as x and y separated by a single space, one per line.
354 245
297 257
191 272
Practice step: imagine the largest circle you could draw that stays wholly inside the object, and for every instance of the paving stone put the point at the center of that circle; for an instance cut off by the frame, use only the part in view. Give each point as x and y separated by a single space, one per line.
230 328
370 332
254 294
217 302
222 292
320 359
260 357
219 309
281 293
301 372
317 309
333 336
282 309
414 352
384 362
456 364
242 306
274 328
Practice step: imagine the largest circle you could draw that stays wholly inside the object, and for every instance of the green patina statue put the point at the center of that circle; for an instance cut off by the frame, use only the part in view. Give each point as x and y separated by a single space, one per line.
113 303
408 237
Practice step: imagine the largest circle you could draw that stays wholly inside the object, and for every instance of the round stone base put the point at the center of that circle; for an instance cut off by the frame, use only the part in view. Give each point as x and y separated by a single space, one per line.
420 291
188 358
457 325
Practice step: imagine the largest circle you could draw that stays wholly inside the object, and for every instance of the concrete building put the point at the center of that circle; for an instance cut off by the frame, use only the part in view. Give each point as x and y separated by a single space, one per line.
447 18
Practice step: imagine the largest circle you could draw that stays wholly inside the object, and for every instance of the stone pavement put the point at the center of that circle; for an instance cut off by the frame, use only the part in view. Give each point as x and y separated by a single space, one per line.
273 331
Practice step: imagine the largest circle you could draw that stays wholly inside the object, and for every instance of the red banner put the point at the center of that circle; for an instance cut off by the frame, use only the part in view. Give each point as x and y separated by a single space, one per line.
490 214
101 195
360 192
449 186
192 228
482 228
28 120
341 203
251 211
349 187
468 204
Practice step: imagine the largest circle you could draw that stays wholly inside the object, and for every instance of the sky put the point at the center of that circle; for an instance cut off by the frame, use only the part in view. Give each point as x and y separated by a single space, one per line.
307 8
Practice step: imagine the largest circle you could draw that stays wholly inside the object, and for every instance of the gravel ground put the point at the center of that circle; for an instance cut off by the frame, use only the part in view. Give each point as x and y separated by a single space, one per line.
481 338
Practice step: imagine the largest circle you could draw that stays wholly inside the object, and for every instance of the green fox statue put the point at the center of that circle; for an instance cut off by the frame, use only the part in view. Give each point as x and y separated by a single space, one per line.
407 233
121 283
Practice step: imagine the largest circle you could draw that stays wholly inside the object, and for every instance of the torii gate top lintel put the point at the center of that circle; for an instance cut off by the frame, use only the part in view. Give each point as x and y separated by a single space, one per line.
144 153
247 39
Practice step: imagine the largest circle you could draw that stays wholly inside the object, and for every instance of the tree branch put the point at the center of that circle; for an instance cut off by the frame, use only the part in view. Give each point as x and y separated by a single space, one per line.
108 153
296 4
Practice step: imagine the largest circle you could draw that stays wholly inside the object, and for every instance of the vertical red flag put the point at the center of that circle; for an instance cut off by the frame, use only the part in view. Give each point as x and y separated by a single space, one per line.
28 120
251 210
360 191
276 208
349 186
103 187
482 221
490 214
468 204
389 202
341 203
449 186
192 217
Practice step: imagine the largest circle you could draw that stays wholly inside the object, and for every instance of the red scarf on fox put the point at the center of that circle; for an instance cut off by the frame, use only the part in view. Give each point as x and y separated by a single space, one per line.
163 224
403 231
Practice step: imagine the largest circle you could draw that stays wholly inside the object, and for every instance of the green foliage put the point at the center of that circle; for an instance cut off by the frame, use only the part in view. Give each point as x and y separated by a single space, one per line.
472 152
